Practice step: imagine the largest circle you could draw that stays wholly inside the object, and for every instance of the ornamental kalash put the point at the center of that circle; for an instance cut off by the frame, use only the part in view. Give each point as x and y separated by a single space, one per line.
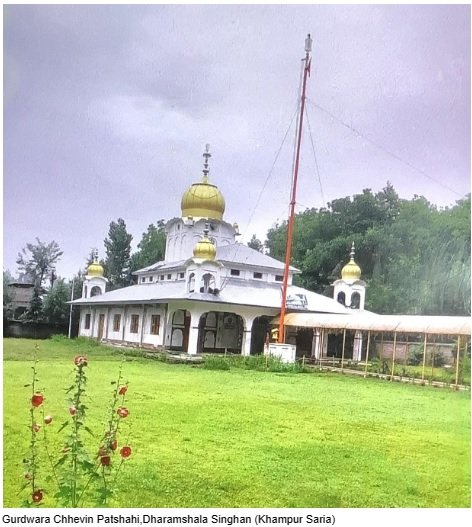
211 293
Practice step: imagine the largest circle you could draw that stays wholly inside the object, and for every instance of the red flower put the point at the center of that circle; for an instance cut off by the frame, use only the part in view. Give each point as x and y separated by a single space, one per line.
125 451
48 419
37 399
37 496
122 411
36 427
113 444
80 360
123 390
72 409
105 460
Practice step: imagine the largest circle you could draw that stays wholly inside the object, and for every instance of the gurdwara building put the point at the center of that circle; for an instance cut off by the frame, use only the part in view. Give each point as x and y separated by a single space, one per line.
210 293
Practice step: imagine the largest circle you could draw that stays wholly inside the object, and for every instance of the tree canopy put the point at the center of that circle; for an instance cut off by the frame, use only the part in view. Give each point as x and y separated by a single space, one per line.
414 257
151 248
37 260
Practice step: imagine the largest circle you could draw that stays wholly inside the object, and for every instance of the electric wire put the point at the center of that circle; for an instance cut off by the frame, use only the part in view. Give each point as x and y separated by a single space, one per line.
380 147
262 190
314 154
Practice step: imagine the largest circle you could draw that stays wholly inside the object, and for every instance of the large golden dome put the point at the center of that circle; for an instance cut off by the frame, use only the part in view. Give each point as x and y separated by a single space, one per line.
205 249
351 271
203 200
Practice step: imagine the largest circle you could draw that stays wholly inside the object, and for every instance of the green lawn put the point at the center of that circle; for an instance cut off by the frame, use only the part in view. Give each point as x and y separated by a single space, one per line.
242 438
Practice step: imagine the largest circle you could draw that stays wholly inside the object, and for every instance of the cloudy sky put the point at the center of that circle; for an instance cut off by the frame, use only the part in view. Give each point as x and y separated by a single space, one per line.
107 110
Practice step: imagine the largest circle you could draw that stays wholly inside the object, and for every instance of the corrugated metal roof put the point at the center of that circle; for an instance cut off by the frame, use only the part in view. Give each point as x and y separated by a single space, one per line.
437 325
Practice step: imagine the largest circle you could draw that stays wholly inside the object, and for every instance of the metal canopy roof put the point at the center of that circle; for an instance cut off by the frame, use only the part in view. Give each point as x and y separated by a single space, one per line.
433 325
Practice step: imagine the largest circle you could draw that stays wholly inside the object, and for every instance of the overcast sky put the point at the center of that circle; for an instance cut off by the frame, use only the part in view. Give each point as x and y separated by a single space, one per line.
107 110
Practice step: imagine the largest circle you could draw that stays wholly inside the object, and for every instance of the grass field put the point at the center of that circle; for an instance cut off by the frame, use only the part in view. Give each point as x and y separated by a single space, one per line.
242 438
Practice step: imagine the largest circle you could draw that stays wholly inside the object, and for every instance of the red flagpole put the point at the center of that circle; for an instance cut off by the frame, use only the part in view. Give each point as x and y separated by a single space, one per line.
291 218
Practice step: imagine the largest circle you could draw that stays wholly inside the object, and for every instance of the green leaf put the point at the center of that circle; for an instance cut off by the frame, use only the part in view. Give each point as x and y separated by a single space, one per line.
64 424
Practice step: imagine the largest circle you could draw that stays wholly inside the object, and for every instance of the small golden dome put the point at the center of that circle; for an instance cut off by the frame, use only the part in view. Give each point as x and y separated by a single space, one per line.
205 249
203 200
351 271
95 269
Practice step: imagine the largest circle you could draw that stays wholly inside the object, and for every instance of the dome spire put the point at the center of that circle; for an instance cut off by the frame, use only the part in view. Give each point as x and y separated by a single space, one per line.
351 271
207 156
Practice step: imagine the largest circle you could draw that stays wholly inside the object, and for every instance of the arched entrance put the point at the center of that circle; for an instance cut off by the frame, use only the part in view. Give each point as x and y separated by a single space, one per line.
260 329
180 330
219 332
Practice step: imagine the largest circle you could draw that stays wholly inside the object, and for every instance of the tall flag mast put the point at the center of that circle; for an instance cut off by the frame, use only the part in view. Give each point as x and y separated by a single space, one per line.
288 250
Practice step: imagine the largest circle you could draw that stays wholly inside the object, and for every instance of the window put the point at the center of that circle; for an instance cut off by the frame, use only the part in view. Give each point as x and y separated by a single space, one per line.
133 328
279 278
169 276
235 272
342 298
151 278
355 300
143 279
116 322
162 277
257 275
87 321
155 322
181 275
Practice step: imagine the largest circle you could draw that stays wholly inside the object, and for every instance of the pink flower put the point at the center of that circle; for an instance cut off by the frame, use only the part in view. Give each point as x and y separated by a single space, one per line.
48 419
36 427
37 496
123 390
37 399
105 461
80 360
122 411
125 451
72 409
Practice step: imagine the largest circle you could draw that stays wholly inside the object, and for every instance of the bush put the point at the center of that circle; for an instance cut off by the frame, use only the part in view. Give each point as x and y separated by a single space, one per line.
214 362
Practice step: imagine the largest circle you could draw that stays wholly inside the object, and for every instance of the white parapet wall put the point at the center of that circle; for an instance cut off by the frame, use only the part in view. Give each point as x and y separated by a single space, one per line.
284 352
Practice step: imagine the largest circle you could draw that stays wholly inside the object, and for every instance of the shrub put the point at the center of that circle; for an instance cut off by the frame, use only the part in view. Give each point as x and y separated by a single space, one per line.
214 362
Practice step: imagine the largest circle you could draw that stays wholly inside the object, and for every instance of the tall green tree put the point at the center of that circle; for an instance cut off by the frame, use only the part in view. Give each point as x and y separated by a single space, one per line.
38 260
151 248
118 251
55 308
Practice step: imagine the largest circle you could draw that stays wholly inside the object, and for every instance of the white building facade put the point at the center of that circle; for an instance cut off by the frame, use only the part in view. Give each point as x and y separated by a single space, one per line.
209 294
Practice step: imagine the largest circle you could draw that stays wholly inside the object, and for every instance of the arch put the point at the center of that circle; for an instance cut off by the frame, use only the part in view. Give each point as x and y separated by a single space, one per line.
341 298
95 291
191 283
259 332
355 300
219 332
208 283
180 330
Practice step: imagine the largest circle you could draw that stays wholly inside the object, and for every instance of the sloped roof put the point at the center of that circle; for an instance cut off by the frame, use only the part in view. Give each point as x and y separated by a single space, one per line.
367 321
236 292
235 253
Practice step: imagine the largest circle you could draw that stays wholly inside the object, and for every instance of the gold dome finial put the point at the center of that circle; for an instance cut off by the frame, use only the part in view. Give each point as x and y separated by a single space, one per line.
351 271
95 269
203 200
205 248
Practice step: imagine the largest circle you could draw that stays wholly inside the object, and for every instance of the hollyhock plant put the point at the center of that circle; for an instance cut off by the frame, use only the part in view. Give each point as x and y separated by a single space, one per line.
73 468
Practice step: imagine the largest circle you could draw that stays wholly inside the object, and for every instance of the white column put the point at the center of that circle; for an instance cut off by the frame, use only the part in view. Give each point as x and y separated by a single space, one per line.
247 333
316 344
357 348
192 348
